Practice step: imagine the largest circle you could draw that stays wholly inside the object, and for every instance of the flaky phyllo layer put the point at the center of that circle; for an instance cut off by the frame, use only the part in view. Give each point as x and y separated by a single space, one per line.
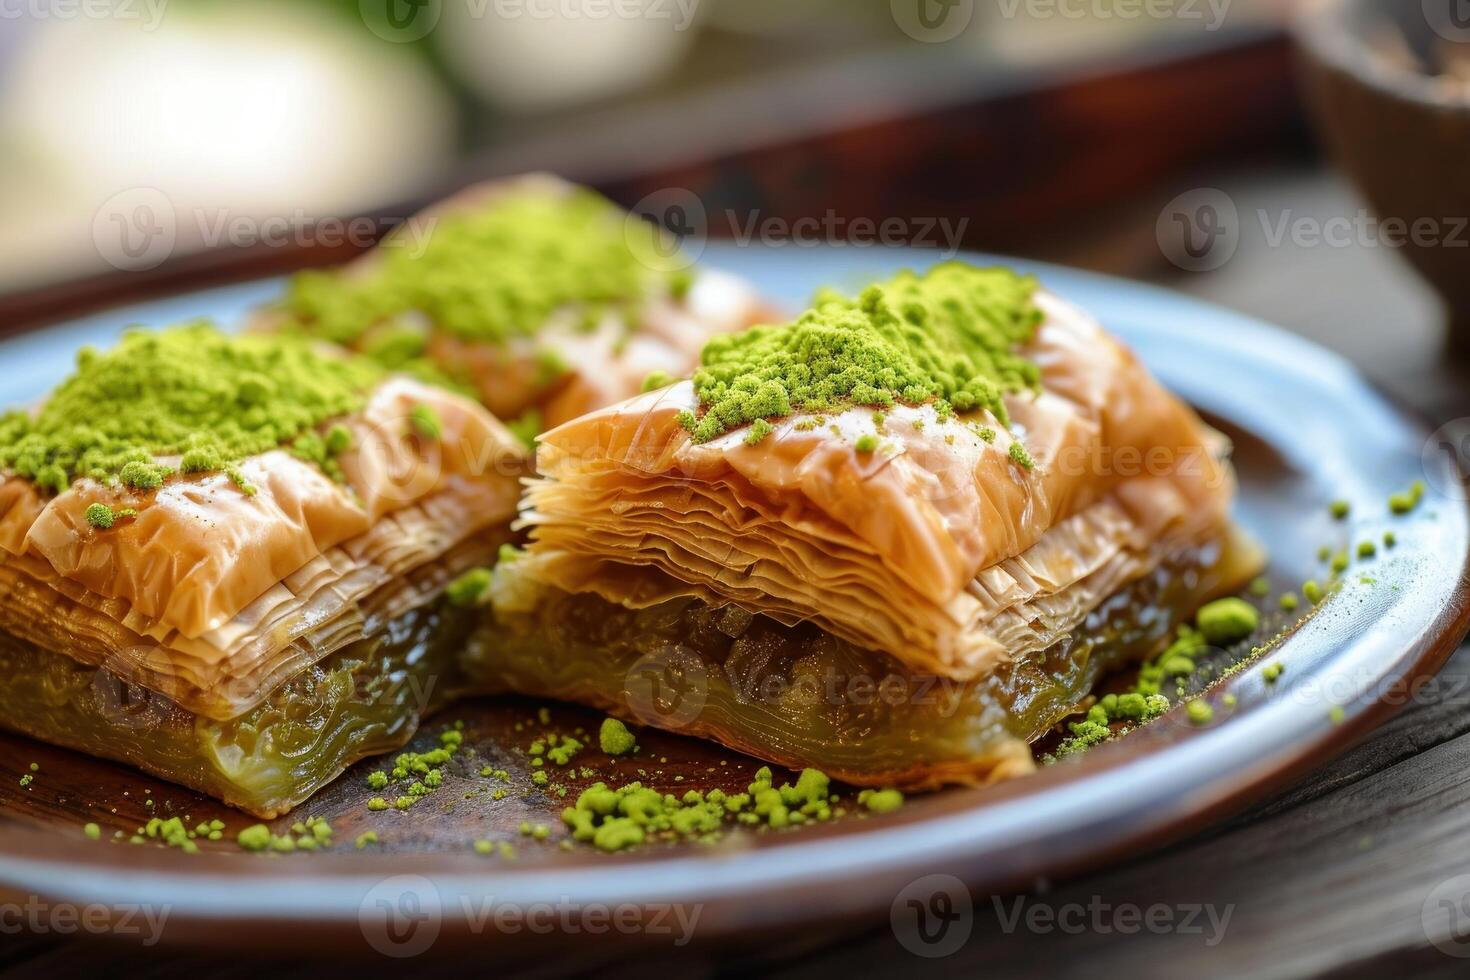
212 585
927 536
537 295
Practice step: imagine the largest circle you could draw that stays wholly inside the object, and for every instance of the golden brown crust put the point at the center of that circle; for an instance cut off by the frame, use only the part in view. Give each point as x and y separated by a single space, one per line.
938 548
200 550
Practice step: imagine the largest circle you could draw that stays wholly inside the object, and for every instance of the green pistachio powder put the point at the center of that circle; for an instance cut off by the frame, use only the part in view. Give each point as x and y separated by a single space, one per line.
490 274
211 399
948 337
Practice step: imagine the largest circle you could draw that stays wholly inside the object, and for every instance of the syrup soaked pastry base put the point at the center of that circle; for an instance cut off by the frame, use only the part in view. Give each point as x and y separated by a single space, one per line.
799 696
366 698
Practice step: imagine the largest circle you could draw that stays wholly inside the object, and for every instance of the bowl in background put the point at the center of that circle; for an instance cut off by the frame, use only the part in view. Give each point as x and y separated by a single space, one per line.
1389 84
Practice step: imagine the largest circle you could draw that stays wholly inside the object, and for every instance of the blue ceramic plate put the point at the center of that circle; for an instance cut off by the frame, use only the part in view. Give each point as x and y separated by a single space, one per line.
1307 429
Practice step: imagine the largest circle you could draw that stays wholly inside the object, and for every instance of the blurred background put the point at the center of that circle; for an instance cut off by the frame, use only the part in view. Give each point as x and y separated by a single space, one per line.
147 144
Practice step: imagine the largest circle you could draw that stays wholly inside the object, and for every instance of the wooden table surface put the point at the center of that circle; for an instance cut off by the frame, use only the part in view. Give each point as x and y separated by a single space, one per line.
1355 871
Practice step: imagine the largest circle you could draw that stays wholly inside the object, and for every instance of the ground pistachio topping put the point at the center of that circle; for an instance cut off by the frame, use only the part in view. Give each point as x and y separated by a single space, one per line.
311 834
1227 621
1405 501
612 819
470 589
615 739
492 273
949 337
1199 712
191 392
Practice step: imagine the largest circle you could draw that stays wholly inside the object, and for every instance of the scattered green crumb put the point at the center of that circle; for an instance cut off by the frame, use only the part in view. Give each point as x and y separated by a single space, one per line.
614 737
92 831
1260 587
866 443
255 838
1336 714
881 800
564 751
1228 700
27 779
364 839
1288 601
377 779
377 803
484 847
1312 591
100 516
1324 553
1199 712
1339 509
1405 501
1366 549
470 589
1389 539
613 819
1340 562
426 422
419 770
1272 671
1020 456
1227 621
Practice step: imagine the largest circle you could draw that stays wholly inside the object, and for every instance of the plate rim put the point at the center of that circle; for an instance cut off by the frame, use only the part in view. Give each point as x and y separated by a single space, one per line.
215 895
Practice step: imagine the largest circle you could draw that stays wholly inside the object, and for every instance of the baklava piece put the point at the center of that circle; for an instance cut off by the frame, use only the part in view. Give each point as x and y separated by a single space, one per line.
897 539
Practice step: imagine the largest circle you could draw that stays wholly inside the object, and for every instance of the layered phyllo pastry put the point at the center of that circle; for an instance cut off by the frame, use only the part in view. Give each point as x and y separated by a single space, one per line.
897 539
541 298
224 560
